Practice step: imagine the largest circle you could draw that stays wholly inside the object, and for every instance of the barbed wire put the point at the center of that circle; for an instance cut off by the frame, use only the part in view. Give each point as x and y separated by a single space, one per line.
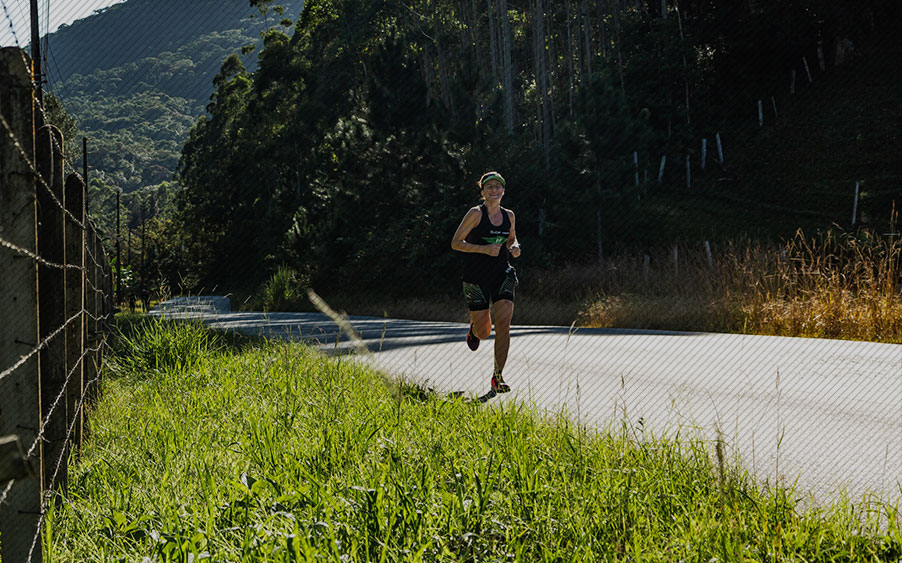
44 262
56 401
38 348
34 170
98 318
45 503
38 438
12 26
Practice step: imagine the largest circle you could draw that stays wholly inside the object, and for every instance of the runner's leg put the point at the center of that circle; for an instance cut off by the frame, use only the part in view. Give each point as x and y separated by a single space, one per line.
482 323
504 312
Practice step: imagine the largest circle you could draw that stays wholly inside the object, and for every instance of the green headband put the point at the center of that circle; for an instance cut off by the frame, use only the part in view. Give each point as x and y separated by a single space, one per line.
491 176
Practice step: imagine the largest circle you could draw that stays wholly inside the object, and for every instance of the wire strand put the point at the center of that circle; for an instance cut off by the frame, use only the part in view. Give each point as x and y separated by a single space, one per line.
38 348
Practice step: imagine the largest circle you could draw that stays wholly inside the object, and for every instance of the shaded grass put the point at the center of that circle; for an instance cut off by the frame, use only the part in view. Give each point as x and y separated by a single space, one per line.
275 453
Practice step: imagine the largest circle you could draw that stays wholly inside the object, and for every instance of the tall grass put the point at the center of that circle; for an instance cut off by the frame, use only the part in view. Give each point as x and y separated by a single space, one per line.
285 290
276 453
836 286
145 344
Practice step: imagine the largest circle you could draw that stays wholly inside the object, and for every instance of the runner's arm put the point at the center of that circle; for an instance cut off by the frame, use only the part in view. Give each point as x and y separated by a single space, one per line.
513 245
470 221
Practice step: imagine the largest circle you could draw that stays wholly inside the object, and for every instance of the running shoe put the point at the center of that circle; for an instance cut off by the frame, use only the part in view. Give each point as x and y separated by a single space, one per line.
472 341
498 384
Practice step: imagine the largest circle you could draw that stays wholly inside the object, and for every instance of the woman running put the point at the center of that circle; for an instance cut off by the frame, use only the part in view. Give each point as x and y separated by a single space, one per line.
487 235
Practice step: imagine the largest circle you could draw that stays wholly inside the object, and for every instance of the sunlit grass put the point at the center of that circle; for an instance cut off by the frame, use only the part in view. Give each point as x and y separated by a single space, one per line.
836 286
275 453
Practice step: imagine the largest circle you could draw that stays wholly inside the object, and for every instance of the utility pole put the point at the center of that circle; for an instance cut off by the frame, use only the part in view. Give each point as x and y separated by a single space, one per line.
37 73
143 232
84 168
118 292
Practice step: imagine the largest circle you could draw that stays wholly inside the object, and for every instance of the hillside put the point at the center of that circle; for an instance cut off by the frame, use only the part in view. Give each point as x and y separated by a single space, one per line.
138 74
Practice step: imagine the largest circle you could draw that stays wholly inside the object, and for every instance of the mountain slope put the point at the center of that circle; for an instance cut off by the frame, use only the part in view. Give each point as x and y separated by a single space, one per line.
138 74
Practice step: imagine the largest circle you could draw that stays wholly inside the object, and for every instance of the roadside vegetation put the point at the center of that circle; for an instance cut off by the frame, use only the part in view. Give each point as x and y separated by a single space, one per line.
838 285
233 450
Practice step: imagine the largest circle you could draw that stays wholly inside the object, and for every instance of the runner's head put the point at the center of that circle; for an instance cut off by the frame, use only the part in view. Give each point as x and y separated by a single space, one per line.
489 177
491 181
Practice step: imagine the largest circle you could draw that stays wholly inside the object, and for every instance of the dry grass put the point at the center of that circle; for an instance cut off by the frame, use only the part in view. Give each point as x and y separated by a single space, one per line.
837 286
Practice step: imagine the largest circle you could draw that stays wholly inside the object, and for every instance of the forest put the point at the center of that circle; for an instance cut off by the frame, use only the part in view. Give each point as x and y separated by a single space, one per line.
351 152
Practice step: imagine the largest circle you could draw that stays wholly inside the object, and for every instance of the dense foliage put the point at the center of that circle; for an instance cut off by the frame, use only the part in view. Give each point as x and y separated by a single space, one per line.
351 152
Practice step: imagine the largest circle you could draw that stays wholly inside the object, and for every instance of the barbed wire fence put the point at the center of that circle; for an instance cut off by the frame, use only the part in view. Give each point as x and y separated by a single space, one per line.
57 301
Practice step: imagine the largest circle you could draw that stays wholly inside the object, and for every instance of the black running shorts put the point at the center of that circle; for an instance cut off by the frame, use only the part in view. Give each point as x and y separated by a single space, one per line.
479 296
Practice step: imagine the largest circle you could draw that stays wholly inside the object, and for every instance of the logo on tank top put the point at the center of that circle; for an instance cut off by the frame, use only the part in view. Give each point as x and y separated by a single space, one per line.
500 239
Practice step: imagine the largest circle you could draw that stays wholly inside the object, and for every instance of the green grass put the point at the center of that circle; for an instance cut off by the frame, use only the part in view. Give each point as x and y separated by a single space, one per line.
273 452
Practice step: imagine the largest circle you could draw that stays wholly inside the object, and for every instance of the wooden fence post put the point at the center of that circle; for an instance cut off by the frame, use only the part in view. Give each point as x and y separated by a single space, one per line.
52 302
75 345
20 388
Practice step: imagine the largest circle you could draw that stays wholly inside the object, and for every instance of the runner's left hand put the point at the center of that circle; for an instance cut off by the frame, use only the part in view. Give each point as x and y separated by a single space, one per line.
515 250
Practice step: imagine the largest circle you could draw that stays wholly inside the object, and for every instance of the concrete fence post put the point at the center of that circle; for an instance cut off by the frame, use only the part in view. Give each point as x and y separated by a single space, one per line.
52 300
75 346
90 309
20 388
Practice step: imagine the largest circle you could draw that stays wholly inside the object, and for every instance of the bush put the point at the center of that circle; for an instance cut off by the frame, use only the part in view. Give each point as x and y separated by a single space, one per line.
284 290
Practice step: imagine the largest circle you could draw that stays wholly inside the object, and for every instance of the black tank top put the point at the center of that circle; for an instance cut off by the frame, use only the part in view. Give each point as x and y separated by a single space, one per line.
482 268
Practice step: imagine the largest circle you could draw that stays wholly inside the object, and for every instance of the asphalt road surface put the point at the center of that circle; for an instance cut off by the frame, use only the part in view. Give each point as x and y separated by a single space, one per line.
825 415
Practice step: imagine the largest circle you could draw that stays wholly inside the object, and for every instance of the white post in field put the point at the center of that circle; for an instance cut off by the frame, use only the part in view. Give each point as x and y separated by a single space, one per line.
688 173
661 169
808 72
719 149
636 167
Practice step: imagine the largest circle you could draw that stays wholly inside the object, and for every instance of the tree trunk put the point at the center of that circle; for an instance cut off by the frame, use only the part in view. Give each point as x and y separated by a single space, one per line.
587 29
543 81
599 31
442 74
617 10
475 35
427 73
570 53
685 71
508 68
493 43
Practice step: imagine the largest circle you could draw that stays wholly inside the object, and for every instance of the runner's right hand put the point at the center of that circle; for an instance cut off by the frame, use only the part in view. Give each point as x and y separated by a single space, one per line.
493 249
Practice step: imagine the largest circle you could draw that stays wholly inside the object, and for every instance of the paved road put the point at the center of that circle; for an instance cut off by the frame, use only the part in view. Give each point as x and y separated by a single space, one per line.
825 412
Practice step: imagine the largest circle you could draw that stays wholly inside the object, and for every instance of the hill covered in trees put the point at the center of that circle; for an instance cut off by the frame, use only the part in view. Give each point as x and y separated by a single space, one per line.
351 152
137 75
